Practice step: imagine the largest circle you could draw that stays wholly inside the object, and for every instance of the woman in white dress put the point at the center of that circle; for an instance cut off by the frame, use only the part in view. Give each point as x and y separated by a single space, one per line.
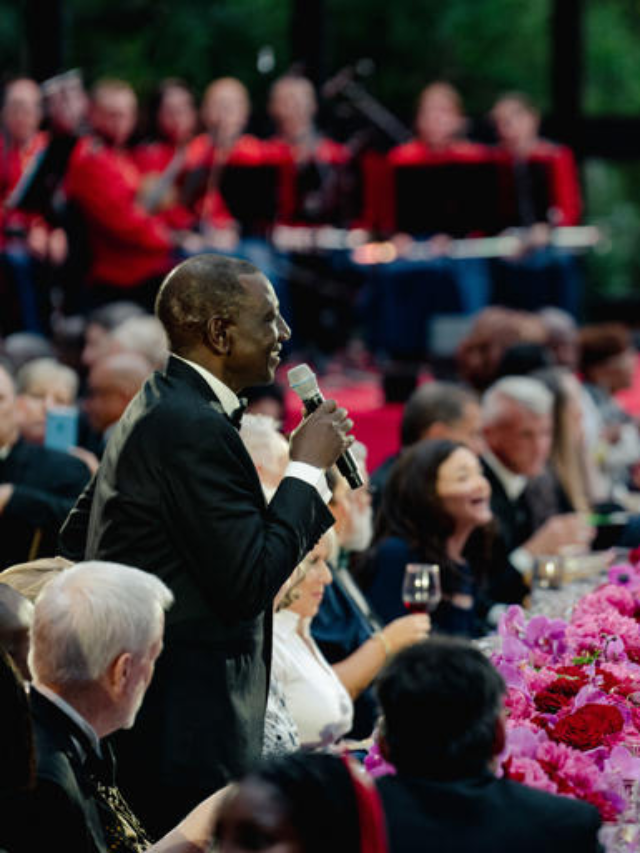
315 697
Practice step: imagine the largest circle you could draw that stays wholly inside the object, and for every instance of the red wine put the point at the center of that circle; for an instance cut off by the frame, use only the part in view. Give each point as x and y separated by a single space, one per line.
422 606
417 606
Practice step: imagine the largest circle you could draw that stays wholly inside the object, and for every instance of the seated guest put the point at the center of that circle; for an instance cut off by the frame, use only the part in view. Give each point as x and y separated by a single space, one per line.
316 698
38 487
518 432
16 617
492 332
30 578
113 383
348 632
43 384
143 335
436 497
101 323
607 363
307 803
443 729
115 615
436 410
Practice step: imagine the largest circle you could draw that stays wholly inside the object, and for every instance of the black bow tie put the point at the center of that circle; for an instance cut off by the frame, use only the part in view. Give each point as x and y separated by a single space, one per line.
236 415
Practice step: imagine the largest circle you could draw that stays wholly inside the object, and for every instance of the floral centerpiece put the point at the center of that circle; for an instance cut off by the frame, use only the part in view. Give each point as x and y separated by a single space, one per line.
573 697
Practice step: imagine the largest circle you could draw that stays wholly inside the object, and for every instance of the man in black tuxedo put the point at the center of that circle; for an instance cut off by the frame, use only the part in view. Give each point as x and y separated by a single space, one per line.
96 634
178 495
38 487
442 728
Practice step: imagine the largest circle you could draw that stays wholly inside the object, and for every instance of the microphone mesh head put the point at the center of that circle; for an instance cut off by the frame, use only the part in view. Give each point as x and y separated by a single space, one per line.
303 381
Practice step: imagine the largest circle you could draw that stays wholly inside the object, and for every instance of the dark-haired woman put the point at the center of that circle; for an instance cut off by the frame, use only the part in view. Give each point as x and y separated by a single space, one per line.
435 509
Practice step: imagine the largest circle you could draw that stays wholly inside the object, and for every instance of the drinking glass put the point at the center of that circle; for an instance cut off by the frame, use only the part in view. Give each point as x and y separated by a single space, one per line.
421 590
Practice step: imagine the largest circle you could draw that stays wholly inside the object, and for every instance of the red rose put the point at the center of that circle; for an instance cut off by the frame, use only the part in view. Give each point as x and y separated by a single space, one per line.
634 556
587 727
567 686
549 701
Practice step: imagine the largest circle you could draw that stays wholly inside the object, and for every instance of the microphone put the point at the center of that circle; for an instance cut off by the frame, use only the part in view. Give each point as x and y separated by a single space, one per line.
303 381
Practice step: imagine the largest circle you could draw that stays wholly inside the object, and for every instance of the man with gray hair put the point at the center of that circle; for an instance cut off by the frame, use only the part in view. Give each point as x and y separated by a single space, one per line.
517 426
97 632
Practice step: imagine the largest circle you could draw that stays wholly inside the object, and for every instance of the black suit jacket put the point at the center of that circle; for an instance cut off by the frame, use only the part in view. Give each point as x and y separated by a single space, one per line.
178 495
46 485
61 813
484 815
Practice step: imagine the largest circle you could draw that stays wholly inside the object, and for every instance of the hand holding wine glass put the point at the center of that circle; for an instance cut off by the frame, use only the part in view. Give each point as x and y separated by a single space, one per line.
421 590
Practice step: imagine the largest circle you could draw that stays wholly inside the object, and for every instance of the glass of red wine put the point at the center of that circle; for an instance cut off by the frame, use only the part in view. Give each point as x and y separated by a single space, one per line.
421 590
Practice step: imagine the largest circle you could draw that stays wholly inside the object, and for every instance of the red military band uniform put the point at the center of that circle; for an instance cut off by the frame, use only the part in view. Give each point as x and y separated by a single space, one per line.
13 163
128 245
203 157
563 186
162 163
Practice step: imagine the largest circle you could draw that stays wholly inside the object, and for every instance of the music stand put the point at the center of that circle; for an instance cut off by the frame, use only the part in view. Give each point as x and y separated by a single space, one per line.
451 198
252 194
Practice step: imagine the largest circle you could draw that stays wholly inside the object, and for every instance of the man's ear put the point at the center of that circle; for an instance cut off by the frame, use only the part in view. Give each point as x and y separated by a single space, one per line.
119 673
218 335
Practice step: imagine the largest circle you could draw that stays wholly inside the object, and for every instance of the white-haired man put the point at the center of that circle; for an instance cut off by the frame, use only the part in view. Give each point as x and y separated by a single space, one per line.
517 426
96 635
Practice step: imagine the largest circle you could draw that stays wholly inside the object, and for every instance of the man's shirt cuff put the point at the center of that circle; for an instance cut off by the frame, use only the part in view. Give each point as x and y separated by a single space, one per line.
311 475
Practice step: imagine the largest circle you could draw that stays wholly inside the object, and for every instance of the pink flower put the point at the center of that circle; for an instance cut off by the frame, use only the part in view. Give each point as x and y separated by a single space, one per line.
376 765
529 772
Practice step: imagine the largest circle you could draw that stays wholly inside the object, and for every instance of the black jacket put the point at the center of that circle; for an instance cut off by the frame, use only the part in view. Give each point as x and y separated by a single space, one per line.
178 495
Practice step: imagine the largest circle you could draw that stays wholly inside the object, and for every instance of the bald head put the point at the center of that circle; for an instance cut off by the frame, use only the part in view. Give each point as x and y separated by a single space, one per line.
201 287
225 109
113 382
22 110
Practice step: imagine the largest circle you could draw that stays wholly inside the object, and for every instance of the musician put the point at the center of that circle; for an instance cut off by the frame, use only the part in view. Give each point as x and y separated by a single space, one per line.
320 173
161 158
224 112
433 187
130 248
24 236
517 124
539 190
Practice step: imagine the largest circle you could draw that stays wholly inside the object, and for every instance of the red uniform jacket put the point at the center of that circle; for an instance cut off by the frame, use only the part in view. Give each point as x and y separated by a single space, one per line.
128 245
563 187
13 162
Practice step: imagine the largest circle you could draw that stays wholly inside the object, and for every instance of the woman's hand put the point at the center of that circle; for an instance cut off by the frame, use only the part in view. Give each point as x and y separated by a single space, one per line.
407 630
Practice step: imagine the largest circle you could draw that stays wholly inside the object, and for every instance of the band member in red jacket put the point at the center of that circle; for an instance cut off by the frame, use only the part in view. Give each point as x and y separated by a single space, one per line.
130 247
540 179
25 236
162 157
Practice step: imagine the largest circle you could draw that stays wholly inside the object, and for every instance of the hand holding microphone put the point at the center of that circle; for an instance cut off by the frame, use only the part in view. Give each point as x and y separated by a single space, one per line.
321 439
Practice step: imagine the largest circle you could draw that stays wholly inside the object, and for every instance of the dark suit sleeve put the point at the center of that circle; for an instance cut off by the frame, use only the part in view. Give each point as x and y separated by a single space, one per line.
73 533
221 520
55 822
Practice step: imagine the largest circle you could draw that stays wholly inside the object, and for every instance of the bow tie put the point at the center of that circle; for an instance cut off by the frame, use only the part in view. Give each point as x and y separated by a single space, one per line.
236 415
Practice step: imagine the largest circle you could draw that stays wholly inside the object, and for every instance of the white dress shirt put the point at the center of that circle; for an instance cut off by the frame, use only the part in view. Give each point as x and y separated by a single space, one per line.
230 401
316 698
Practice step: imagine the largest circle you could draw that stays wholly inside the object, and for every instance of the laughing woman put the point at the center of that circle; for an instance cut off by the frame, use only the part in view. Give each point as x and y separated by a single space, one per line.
435 509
